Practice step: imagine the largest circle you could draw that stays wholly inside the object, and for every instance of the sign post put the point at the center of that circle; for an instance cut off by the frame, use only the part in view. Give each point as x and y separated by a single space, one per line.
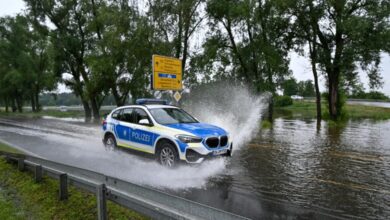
167 75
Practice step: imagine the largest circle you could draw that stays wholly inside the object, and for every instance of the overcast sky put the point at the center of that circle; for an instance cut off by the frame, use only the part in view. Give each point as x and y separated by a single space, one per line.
299 65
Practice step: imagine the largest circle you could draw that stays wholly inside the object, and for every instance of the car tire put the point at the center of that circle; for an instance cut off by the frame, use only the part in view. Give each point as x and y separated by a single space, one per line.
167 155
110 142
230 151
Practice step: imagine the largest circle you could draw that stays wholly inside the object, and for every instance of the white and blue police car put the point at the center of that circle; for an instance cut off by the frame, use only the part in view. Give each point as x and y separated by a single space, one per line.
170 133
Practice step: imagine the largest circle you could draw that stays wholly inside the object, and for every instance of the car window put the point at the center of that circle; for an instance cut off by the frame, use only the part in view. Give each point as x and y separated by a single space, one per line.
116 115
127 115
171 116
140 114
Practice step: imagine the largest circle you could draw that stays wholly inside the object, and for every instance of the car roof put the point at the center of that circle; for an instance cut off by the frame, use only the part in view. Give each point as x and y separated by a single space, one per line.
149 106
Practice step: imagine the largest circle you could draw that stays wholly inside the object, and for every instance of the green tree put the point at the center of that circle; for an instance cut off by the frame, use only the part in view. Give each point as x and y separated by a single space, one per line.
290 87
174 22
73 40
306 88
347 33
24 57
121 59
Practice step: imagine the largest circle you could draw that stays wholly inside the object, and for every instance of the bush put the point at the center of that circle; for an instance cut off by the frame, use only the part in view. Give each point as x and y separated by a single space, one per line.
281 101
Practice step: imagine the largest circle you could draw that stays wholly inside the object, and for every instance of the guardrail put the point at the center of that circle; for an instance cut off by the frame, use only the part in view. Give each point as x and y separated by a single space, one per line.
150 202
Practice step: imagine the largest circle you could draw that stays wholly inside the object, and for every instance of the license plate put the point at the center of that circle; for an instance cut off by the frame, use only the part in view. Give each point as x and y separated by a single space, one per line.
219 152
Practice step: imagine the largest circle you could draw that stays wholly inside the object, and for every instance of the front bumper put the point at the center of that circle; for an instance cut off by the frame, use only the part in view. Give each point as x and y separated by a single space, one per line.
197 153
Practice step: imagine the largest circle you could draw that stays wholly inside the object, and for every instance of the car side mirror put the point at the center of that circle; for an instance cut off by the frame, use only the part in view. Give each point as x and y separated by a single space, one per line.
144 122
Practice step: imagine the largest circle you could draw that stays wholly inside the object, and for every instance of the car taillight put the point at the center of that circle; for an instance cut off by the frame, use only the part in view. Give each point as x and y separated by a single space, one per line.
104 122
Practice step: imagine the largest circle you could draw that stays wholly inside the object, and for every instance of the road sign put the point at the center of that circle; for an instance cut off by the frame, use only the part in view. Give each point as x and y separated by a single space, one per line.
167 73
177 96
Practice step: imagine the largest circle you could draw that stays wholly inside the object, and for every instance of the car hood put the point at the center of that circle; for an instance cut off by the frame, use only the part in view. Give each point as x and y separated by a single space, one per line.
199 129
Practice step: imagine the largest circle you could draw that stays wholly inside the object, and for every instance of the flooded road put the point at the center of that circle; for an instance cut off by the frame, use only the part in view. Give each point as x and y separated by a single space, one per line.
294 170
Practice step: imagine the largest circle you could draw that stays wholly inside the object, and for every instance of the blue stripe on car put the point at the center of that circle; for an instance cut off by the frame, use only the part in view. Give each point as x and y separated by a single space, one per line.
182 145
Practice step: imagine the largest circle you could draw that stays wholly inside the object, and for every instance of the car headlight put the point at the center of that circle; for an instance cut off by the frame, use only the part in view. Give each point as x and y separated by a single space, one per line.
188 138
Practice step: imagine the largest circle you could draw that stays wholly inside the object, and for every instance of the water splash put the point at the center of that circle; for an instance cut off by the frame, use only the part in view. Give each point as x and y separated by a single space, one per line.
232 107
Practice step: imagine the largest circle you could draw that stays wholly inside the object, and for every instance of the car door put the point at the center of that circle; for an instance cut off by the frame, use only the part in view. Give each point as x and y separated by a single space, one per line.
123 127
142 135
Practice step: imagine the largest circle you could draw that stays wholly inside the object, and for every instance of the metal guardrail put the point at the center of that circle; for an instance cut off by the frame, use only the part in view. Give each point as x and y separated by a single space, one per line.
150 202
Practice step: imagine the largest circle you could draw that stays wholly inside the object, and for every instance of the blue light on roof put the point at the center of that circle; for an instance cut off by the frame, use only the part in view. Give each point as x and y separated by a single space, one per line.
151 101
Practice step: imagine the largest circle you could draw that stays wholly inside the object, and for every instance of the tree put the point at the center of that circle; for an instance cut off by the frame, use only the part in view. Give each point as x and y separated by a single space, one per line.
175 21
290 87
25 71
347 33
72 39
121 59
306 88
255 40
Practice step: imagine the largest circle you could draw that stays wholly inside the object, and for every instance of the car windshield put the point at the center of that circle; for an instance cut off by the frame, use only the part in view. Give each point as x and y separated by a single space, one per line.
171 116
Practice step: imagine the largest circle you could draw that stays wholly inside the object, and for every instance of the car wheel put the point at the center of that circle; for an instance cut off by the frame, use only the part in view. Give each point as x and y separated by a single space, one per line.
110 142
167 155
230 151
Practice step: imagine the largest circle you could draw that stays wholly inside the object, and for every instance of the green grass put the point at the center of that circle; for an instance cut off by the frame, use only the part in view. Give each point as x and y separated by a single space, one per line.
8 210
9 149
308 109
21 198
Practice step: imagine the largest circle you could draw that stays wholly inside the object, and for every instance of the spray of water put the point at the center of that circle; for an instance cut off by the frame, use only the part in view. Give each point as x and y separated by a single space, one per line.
230 106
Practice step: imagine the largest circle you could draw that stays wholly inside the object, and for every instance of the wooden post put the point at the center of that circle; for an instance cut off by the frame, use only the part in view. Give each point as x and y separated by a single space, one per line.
21 164
101 191
38 173
63 186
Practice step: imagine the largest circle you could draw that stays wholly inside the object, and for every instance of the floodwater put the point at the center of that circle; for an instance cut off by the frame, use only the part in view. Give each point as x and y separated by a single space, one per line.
296 169
328 171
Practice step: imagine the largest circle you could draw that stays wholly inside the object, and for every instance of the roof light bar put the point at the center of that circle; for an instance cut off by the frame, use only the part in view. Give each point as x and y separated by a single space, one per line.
151 101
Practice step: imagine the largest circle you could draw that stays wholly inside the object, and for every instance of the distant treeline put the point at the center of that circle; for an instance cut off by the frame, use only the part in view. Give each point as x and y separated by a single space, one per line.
68 99
374 95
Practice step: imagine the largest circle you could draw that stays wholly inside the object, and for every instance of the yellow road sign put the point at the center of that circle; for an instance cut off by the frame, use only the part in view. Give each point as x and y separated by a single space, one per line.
167 73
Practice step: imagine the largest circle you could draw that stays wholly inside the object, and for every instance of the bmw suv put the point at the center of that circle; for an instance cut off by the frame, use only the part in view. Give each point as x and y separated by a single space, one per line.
166 131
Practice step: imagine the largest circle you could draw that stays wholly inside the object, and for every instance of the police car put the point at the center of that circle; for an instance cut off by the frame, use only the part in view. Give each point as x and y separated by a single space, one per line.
166 131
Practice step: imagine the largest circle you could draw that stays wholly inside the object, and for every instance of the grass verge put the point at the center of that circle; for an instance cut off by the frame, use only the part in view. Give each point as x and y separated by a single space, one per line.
6 148
22 198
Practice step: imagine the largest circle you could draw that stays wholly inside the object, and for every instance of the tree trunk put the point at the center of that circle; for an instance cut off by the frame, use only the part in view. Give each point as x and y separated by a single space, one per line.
6 105
87 110
179 36
13 105
37 105
19 104
313 58
95 109
33 103
271 108
333 98
318 94
117 97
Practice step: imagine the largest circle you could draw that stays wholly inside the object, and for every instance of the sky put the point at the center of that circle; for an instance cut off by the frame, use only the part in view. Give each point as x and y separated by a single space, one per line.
299 65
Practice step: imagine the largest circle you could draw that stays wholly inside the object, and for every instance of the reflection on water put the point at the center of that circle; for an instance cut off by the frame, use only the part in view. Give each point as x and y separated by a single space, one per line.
342 170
